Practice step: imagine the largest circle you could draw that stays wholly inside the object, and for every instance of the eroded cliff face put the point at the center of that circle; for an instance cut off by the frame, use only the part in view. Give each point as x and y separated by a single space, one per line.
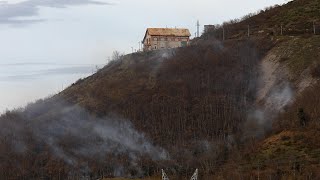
285 74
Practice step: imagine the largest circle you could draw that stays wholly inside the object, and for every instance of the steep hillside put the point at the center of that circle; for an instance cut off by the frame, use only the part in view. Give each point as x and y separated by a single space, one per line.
191 89
236 109
296 18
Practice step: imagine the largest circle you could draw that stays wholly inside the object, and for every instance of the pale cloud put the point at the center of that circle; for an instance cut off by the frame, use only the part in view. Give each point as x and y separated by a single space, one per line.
14 14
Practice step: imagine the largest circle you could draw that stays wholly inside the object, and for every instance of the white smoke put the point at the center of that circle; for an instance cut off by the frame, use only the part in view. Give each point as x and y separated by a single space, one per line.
72 134
98 136
279 97
274 93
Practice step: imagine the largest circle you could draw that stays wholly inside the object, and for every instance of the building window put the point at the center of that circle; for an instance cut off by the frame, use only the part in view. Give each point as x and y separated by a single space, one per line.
155 47
184 43
155 39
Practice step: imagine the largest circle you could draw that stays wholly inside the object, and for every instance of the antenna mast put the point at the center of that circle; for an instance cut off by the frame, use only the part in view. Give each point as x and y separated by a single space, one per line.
198 28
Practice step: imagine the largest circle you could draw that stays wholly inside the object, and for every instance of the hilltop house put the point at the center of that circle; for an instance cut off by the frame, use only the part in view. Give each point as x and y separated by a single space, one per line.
165 38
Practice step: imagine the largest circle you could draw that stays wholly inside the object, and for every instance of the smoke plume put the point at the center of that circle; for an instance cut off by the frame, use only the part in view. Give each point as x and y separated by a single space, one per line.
274 93
72 134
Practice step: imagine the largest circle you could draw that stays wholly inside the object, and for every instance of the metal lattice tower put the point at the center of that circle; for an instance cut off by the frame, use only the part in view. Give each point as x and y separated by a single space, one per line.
164 175
195 175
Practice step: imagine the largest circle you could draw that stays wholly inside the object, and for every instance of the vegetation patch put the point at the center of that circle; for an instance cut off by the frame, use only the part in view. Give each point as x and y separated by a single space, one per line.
299 53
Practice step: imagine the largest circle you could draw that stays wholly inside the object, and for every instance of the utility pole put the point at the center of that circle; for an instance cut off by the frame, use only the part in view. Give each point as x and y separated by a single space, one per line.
139 45
198 28
223 35
258 170
294 170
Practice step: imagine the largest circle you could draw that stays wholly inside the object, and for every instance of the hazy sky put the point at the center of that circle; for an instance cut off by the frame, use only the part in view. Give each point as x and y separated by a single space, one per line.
87 31
45 45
